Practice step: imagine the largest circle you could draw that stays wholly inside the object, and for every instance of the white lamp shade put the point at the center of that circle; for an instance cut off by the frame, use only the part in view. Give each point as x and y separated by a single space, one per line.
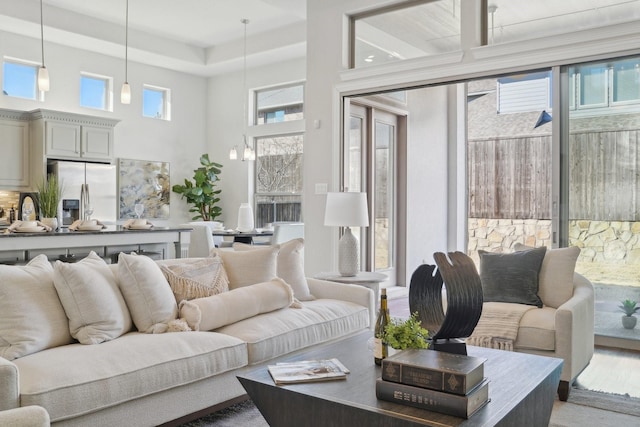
233 154
43 79
125 94
346 210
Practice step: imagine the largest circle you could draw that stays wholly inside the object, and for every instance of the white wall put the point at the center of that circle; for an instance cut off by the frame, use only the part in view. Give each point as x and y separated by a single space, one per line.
179 141
224 128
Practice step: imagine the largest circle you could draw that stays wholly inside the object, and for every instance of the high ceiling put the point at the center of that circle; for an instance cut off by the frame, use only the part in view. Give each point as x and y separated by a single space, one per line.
203 37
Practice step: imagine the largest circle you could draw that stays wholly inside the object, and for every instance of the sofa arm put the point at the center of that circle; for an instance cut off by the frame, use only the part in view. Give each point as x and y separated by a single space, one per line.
9 386
574 328
27 416
345 292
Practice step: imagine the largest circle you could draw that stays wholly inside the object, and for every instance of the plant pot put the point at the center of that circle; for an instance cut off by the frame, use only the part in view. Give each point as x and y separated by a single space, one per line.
51 222
629 322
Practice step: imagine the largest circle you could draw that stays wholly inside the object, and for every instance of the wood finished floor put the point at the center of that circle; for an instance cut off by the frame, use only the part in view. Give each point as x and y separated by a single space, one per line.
611 370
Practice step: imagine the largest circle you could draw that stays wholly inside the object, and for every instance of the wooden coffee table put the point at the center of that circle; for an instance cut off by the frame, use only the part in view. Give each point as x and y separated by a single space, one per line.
522 389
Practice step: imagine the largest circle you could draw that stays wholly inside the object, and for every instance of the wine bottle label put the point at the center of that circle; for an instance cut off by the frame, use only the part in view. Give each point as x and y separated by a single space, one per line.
378 351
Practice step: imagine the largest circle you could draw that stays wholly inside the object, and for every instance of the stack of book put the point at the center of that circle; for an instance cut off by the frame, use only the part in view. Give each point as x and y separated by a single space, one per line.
448 383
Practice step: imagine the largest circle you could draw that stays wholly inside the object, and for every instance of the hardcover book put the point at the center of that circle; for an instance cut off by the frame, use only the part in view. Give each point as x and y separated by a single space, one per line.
433 400
436 370
307 371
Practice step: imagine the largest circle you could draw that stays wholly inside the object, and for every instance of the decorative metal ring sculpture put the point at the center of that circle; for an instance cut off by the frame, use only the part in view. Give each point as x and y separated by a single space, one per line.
464 296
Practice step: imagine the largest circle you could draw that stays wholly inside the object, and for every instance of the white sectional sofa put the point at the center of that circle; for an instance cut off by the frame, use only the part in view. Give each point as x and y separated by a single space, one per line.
147 379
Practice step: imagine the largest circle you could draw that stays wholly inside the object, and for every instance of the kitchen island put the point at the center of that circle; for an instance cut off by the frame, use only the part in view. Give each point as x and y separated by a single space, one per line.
21 247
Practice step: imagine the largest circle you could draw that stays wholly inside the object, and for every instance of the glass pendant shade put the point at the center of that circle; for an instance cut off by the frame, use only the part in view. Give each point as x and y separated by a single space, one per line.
248 153
233 154
125 94
43 79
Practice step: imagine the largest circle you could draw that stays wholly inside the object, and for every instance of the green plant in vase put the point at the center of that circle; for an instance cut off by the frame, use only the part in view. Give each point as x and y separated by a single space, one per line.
202 192
629 308
402 334
50 191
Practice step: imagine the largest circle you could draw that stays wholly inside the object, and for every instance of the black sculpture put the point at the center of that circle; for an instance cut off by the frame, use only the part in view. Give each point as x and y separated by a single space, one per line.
464 300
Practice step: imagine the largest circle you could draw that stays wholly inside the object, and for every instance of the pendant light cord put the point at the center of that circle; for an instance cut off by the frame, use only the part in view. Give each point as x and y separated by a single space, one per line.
244 84
42 32
126 46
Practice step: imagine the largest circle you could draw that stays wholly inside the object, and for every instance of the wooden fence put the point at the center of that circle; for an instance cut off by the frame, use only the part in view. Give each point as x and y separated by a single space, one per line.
511 177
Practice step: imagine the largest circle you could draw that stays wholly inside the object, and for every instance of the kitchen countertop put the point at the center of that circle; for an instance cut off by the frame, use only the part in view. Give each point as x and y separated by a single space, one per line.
111 229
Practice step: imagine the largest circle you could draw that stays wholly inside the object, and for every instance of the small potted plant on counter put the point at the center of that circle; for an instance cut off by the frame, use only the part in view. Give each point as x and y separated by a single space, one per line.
629 320
49 197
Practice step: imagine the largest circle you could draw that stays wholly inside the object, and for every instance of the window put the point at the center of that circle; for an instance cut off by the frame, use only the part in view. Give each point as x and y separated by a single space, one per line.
279 179
96 92
20 79
524 92
156 102
280 104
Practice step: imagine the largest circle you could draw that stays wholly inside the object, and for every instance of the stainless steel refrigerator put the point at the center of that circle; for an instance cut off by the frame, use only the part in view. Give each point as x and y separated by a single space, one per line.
96 180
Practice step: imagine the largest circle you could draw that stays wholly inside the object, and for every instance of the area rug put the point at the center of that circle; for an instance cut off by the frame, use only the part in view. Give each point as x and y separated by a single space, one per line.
584 408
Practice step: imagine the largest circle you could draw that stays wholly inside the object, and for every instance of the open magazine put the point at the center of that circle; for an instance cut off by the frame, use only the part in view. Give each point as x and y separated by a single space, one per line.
307 371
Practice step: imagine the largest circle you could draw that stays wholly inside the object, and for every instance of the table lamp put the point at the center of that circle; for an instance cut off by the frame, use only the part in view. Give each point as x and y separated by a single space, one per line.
347 210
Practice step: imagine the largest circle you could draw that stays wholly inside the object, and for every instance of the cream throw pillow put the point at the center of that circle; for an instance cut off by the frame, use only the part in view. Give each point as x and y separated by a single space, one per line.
147 293
290 266
91 298
31 315
246 268
206 314
555 285
196 277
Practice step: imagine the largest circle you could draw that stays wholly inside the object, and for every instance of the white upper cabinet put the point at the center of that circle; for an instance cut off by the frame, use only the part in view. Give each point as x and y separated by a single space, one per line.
14 150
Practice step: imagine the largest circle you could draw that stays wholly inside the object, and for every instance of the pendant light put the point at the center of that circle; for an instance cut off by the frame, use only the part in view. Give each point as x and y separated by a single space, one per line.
125 93
248 153
43 73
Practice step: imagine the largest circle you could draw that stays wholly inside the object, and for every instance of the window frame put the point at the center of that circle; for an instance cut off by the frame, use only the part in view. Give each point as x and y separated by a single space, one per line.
255 105
38 94
166 101
108 93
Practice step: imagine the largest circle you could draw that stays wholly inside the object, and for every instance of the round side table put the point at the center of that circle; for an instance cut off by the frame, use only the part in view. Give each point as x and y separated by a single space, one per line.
368 279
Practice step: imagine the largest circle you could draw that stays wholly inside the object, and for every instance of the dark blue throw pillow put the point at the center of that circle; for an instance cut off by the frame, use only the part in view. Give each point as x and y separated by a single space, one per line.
511 277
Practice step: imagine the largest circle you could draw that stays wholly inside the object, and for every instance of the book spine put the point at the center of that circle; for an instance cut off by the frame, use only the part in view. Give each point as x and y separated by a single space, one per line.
424 377
433 400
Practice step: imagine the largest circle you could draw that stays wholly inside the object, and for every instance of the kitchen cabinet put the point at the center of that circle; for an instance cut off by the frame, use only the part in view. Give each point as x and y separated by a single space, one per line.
14 150
74 136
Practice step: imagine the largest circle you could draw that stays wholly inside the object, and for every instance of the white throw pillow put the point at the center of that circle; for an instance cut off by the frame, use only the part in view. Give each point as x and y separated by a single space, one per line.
146 292
555 283
290 266
191 278
31 316
206 314
91 298
246 268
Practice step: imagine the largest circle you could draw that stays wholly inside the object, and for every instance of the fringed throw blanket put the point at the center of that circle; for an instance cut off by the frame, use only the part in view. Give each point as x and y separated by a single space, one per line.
498 325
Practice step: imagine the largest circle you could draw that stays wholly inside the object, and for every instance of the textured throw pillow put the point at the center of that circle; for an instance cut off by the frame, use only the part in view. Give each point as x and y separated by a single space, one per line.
206 314
555 285
196 277
511 277
146 292
31 316
246 268
290 266
91 298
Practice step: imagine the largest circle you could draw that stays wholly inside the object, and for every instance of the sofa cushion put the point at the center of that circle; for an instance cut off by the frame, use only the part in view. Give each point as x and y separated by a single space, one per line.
213 312
68 381
195 277
31 315
280 332
146 292
90 296
556 274
289 267
537 330
511 277
249 267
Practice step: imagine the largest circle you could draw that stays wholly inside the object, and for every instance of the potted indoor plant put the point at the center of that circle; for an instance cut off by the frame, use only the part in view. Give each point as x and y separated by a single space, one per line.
629 308
402 334
202 192
49 197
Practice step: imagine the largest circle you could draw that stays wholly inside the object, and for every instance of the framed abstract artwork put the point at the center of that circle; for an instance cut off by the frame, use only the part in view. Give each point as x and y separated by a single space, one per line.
146 182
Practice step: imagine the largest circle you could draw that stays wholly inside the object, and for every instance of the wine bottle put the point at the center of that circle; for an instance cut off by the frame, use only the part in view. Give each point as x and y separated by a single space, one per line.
381 348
